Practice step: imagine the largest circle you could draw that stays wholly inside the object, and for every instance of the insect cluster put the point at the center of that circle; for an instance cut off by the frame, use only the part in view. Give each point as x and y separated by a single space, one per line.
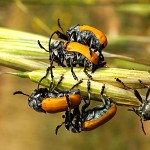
81 45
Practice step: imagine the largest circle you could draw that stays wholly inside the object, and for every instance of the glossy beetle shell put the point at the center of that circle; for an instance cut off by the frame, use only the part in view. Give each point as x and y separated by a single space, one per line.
99 34
84 50
93 124
59 104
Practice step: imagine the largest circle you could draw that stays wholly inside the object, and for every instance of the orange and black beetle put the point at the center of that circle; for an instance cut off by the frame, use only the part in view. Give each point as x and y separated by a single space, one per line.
84 34
143 111
89 119
73 53
52 101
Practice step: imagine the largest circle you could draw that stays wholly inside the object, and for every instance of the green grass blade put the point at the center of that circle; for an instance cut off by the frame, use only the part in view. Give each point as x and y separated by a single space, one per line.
101 76
24 45
138 9
15 62
20 51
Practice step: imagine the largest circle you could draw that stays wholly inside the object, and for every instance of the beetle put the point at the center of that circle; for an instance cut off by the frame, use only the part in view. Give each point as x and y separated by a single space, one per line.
143 111
89 119
52 101
84 34
73 53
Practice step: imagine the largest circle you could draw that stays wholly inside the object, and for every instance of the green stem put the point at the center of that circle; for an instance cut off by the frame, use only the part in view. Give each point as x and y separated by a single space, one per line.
101 76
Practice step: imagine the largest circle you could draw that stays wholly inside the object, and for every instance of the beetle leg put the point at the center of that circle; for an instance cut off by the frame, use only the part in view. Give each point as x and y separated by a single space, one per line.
66 116
73 74
49 69
142 126
94 67
79 82
106 100
88 89
102 90
60 80
85 71
102 97
72 120
87 104
51 73
133 109
90 47
47 72
68 102
76 120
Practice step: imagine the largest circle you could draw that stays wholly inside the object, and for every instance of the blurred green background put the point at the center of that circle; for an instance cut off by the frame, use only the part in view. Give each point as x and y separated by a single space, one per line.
127 26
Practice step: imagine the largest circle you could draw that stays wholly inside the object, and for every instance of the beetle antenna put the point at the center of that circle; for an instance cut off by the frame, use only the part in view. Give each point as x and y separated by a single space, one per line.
20 92
49 44
121 82
57 128
58 22
148 94
41 46
143 85
137 94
